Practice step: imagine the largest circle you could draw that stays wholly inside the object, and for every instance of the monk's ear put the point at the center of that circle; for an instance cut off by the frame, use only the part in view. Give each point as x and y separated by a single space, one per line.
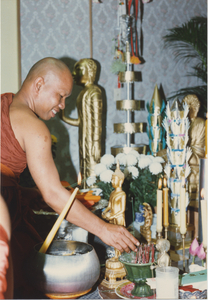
39 83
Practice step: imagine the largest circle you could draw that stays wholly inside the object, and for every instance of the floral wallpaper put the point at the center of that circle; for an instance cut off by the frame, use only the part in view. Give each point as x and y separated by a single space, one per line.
60 28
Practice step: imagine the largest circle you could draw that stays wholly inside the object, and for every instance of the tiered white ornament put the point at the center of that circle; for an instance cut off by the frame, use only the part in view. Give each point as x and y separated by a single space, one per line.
176 124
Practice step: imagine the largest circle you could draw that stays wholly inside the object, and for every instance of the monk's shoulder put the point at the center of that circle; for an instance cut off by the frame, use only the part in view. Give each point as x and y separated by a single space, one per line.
22 115
26 125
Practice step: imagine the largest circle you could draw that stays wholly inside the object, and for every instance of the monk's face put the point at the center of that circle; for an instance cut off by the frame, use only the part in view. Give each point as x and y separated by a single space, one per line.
53 93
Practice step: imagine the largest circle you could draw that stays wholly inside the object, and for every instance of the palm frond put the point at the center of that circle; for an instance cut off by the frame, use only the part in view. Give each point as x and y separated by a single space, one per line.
189 43
189 40
199 73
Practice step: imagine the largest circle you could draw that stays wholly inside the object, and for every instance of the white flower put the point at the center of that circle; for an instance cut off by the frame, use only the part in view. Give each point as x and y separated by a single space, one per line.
106 176
134 152
158 159
108 160
121 157
99 168
144 161
155 168
131 160
131 170
91 180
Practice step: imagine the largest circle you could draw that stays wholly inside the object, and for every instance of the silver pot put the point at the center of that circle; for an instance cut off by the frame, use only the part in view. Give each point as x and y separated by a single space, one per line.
68 267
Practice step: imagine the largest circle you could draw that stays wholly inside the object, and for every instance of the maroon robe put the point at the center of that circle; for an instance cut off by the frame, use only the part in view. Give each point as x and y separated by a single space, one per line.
13 162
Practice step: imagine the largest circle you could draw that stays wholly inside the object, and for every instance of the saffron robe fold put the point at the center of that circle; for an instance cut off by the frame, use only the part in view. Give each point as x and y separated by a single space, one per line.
13 162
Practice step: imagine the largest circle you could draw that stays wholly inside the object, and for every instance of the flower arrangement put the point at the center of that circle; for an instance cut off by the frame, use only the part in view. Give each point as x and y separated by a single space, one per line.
141 175
196 250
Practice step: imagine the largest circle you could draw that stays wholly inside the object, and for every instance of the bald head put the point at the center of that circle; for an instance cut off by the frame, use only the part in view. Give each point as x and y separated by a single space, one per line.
46 66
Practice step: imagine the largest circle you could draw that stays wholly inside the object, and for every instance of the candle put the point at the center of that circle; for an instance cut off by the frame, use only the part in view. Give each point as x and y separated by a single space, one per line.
183 207
206 141
204 218
159 206
165 203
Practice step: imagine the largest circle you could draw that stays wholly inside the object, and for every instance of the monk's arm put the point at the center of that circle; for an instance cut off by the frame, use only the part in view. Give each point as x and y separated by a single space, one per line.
45 175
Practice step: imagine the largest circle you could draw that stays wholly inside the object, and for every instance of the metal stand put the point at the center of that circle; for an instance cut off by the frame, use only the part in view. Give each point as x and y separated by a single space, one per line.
183 239
166 232
159 235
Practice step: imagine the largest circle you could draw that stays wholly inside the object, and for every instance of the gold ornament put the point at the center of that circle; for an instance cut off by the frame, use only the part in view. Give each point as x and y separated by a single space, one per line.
115 214
146 228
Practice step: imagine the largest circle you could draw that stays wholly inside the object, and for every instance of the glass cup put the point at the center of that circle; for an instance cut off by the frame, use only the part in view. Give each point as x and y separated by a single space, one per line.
167 282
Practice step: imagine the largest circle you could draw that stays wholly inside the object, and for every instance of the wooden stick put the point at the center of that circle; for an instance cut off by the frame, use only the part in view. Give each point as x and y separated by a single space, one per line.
57 224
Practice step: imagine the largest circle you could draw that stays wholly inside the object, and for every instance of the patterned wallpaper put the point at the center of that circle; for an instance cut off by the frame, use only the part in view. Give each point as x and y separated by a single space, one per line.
60 28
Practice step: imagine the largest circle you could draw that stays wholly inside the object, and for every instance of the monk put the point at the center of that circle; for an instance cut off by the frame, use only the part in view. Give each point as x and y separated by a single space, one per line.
6 272
26 140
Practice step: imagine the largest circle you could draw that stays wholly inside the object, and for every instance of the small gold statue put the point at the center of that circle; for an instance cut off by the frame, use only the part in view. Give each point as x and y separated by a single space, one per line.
145 229
196 142
163 246
89 105
115 213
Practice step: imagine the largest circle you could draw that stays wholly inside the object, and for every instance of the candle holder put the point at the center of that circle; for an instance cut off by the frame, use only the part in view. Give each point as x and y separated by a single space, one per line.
183 241
159 235
166 232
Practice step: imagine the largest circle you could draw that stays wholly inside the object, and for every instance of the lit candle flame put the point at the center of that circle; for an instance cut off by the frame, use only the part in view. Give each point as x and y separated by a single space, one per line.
164 182
159 183
202 193
79 179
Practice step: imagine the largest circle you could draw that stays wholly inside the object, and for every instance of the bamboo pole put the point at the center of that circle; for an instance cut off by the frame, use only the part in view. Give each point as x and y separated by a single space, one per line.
58 222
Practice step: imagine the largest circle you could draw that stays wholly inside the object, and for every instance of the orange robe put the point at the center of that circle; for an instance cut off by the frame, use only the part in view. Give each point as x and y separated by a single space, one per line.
13 162
4 263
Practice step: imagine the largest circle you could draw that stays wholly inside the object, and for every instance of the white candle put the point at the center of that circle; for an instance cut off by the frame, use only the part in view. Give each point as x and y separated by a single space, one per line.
159 206
203 203
183 208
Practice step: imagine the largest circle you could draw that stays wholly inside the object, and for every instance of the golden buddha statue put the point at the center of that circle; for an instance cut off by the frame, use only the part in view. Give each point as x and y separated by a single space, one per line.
196 142
115 214
115 211
89 105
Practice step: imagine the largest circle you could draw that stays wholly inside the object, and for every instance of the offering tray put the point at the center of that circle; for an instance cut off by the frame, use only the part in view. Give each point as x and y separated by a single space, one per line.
124 291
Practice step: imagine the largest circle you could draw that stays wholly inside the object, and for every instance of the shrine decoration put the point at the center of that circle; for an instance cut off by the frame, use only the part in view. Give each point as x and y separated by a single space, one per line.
156 132
177 169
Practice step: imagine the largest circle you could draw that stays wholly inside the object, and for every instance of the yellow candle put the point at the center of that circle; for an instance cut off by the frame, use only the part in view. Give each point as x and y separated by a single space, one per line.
159 206
183 208
206 141
165 204
203 203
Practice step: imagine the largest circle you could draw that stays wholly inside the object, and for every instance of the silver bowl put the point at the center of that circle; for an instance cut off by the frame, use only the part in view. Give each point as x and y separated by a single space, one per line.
67 267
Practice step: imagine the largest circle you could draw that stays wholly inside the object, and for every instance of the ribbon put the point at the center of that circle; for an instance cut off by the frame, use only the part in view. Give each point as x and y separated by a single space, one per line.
176 210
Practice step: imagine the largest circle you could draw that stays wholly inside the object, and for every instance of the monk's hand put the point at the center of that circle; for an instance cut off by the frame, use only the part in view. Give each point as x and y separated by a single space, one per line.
118 237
